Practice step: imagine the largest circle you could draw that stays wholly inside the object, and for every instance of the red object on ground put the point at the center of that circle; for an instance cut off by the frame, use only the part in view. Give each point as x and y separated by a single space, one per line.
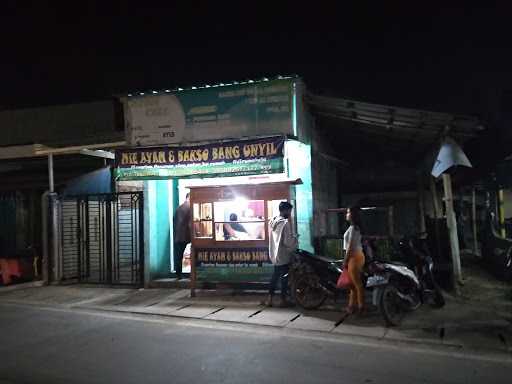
20 268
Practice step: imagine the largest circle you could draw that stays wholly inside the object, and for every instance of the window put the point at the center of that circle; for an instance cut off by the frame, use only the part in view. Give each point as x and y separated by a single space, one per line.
203 227
239 219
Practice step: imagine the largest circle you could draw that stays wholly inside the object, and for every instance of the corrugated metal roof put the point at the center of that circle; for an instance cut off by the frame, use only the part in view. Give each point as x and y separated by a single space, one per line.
376 134
396 122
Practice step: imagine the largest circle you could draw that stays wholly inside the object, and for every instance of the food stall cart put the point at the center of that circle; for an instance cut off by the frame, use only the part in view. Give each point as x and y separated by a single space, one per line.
230 231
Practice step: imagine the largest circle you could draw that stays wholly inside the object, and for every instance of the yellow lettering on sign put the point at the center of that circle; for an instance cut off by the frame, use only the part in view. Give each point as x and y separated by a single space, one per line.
180 156
229 153
247 151
236 152
125 159
202 256
254 150
221 153
145 157
205 155
271 149
171 156
215 153
261 148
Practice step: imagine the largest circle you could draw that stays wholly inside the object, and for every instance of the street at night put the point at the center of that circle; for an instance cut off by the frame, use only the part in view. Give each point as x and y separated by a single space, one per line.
48 345
242 193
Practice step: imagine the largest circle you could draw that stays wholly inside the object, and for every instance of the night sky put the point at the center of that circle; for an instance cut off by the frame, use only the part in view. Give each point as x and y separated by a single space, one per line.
447 59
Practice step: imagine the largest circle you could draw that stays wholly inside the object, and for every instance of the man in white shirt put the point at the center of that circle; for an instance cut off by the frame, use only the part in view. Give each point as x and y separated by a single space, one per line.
282 244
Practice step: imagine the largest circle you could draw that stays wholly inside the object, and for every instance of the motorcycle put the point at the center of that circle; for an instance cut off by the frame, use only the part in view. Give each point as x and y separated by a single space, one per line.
396 288
313 279
410 284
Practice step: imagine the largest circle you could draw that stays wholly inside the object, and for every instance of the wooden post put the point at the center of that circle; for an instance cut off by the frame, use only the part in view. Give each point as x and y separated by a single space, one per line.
435 206
475 240
421 205
501 213
452 230
391 228
192 272
435 201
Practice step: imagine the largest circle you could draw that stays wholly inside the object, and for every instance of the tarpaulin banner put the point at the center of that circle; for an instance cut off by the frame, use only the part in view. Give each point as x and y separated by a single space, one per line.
210 113
242 157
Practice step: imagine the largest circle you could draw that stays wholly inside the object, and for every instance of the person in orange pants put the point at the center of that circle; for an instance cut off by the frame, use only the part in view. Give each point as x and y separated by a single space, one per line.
354 260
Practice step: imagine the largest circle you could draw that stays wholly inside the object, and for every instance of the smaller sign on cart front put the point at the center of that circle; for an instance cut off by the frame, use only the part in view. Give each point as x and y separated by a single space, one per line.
244 265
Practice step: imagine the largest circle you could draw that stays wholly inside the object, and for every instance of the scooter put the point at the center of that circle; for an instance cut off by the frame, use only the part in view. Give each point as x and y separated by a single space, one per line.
313 279
409 285
395 287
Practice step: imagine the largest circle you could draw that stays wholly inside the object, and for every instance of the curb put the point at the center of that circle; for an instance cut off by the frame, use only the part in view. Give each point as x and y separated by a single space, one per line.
15 287
398 340
422 344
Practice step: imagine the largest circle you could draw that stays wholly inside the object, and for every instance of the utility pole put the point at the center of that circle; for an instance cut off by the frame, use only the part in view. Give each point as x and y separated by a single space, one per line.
451 222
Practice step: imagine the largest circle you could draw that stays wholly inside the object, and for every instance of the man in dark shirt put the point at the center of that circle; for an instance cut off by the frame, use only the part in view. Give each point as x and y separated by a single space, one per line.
181 229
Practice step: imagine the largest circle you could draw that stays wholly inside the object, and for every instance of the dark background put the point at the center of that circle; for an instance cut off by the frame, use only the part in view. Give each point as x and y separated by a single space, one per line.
448 58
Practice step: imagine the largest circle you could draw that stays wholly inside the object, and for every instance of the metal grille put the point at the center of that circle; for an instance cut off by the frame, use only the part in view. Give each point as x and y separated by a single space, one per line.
102 238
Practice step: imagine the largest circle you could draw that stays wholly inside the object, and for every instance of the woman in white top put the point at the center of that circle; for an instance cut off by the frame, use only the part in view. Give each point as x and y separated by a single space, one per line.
354 259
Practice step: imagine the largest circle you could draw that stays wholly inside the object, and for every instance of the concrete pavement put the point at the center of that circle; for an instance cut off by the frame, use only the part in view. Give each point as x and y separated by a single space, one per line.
457 325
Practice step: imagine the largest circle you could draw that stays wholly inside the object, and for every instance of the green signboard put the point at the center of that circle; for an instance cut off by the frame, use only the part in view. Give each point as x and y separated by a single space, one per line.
240 109
234 158
244 265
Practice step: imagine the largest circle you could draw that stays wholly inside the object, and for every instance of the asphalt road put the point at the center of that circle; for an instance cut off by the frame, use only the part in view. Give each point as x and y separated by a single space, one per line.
50 345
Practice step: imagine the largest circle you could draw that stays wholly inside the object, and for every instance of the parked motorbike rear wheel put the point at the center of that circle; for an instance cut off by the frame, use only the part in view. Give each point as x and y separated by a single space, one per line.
391 306
307 293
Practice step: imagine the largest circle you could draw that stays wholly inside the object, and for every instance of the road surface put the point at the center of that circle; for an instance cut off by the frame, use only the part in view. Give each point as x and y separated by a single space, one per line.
56 345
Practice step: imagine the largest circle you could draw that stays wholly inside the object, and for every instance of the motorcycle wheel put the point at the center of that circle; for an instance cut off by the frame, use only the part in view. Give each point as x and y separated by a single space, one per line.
415 304
391 306
307 295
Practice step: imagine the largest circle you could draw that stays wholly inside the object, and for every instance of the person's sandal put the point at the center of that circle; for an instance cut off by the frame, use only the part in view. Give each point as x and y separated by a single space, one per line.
286 304
349 310
268 302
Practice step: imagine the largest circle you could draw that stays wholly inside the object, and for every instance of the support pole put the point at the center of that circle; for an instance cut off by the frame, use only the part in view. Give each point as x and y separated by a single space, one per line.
435 200
391 224
421 205
50 172
437 214
55 235
475 239
501 213
452 230
44 235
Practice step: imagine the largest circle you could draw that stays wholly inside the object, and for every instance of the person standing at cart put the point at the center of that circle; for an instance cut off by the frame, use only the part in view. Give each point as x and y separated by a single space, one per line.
282 244
181 231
